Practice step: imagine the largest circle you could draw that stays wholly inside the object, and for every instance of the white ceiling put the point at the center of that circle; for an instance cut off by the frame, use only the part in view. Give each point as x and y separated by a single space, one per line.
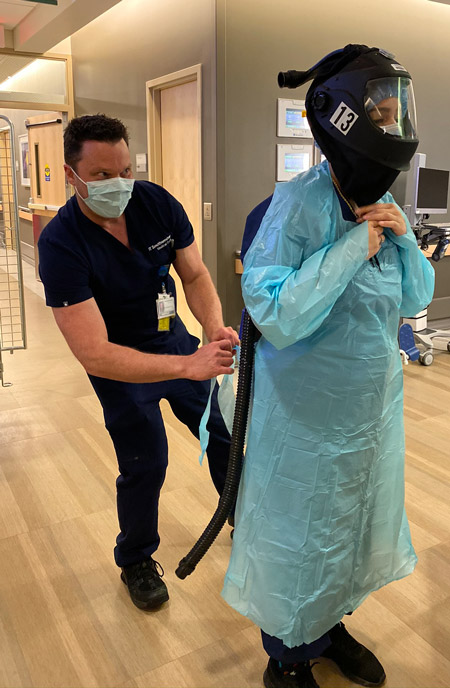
13 11
35 27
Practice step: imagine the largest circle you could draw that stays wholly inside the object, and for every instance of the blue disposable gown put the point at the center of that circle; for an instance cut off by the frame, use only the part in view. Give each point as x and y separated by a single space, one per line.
320 519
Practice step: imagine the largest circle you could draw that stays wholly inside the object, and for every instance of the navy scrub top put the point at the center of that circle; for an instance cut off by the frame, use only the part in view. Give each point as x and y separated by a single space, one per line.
79 260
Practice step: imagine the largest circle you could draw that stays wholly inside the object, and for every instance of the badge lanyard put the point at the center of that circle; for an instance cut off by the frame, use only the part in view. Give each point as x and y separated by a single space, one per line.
165 303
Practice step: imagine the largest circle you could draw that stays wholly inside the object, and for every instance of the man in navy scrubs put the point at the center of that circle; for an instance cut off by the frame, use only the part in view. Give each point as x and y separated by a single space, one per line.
105 262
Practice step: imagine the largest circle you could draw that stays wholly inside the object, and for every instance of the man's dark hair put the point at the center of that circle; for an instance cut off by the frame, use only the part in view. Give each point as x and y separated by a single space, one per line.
91 128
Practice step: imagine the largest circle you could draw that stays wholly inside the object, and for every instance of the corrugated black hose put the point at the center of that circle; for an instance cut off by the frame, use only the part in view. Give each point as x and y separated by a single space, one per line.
249 335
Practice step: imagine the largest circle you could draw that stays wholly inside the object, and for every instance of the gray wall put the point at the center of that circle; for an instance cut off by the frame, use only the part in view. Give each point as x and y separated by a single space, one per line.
258 38
139 40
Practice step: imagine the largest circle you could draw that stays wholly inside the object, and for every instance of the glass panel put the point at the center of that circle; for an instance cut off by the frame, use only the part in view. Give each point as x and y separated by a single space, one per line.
390 104
38 170
32 80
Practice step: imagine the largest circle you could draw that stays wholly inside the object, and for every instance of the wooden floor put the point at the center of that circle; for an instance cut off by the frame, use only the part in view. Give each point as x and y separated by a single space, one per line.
66 618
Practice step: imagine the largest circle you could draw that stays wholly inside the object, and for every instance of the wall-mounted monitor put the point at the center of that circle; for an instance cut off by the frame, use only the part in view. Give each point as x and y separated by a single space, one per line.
431 191
292 121
292 159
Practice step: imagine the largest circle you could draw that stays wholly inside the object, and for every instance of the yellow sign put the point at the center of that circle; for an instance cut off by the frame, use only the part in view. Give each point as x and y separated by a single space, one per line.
47 173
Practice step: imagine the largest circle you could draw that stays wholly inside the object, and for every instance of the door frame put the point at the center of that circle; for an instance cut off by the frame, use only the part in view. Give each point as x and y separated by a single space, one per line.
153 98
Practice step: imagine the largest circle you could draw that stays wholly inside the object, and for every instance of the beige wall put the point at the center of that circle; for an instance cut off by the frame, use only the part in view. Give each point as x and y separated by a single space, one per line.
258 38
139 40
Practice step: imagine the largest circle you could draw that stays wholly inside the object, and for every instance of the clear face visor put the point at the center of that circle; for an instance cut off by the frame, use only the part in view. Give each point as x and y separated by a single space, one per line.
390 105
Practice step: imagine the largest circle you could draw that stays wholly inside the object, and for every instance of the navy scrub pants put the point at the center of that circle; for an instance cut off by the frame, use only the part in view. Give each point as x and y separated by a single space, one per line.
133 419
276 649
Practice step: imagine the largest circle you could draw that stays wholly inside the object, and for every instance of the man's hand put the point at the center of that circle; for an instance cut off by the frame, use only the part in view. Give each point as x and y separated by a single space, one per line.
225 333
384 214
209 361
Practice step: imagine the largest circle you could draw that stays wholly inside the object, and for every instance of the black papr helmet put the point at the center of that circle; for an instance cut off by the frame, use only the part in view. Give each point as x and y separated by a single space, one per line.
341 104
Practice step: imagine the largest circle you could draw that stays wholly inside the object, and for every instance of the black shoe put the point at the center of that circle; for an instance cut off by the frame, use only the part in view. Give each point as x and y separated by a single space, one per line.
145 585
354 660
300 676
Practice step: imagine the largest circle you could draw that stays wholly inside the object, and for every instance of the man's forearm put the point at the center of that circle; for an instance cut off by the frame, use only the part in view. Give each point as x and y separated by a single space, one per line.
204 303
125 364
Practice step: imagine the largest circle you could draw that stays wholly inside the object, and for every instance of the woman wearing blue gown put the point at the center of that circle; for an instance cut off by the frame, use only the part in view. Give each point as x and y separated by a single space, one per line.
320 520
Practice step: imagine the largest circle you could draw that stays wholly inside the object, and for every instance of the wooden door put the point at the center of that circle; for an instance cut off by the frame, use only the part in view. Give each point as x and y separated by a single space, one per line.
45 142
179 122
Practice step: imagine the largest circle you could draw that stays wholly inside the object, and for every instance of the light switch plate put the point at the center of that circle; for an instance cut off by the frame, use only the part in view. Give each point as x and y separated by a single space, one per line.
207 211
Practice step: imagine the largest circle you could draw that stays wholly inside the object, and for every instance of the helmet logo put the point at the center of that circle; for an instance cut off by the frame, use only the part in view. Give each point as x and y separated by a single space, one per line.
343 118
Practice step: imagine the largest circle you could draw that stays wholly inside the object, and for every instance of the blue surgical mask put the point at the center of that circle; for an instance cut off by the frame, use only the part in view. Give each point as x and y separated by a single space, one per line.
107 197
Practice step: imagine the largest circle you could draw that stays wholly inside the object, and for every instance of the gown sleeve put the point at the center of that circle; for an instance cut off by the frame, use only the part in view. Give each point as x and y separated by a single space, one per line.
294 271
417 271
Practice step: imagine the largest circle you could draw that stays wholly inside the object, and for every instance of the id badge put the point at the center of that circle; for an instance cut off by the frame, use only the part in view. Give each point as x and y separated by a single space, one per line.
165 309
